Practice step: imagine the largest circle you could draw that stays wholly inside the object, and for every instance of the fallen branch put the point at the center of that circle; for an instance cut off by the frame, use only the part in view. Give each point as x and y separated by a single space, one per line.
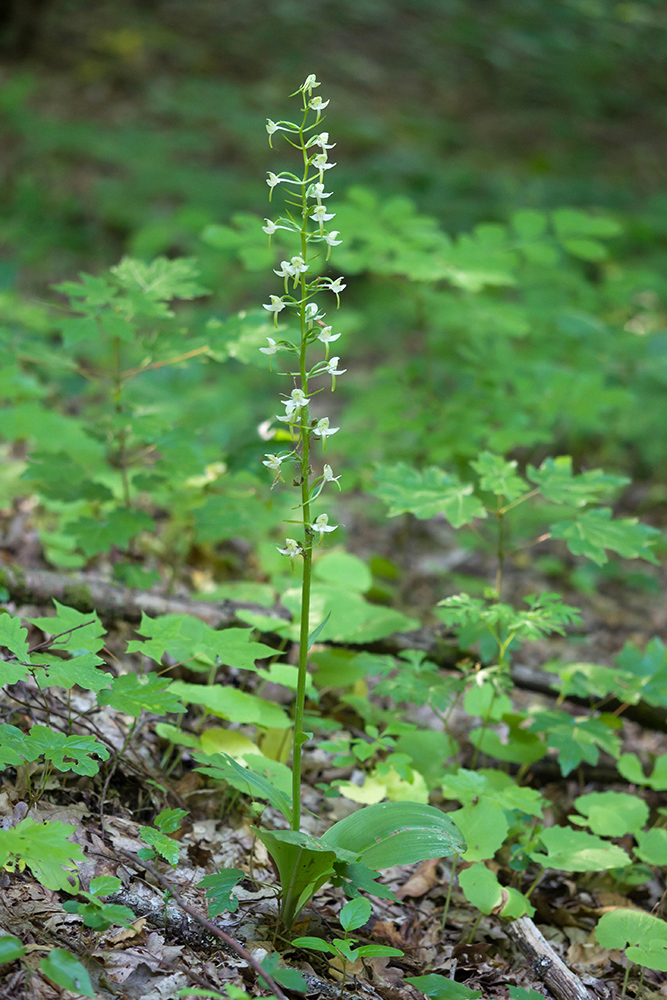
544 962
113 602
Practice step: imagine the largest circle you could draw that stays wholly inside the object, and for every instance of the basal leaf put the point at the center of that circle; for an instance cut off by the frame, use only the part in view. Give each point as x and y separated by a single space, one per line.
64 969
595 530
222 767
396 833
426 494
11 948
613 814
652 846
484 826
304 864
438 987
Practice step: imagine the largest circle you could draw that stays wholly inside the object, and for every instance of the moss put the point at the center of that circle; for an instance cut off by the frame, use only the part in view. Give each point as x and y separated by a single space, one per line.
77 595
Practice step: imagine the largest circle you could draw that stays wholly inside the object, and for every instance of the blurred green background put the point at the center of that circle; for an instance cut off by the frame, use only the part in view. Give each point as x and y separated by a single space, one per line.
128 126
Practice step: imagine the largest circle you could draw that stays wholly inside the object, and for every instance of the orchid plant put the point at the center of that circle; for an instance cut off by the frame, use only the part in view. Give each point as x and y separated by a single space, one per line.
306 216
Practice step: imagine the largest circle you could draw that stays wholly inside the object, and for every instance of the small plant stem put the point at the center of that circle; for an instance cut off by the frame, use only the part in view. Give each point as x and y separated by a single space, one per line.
624 987
485 726
118 403
471 936
500 549
640 984
448 897
533 885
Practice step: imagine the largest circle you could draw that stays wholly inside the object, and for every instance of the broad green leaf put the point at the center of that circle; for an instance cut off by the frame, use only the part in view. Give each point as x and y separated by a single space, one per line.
497 475
577 851
120 526
11 948
353 619
586 249
396 833
135 693
342 569
289 978
11 673
169 820
355 914
641 935
104 885
557 483
65 970
44 848
519 747
80 670
442 988
229 703
304 864
222 767
219 893
595 530
630 768
529 224
14 637
612 814
426 494
652 846
484 826
518 993
572 222
482 888
184 637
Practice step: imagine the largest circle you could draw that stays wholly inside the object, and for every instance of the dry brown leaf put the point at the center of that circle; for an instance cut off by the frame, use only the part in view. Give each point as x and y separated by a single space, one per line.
425 878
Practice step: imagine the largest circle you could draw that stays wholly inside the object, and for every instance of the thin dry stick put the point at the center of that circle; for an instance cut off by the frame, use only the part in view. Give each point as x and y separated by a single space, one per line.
208 924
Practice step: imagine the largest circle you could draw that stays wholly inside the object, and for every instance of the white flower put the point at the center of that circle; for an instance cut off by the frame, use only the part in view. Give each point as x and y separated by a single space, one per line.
296 402
321 163
285 271
317 104
272 179
336 287
273 462
317 191
332 369
321 525
275 306
312 312
271 349
270 227
326 336
320 214
298 264
322 140
310 83
322 429
330 238
328 475
292 548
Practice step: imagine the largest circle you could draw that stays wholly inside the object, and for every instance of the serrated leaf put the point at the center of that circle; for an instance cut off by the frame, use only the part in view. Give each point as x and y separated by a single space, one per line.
426 494
66 753
162 844
557 483
185 637
576 738
80 670
88 631
14 637
497 475
219 891
120 526
577 851
44 848
162 280
134 694
595 530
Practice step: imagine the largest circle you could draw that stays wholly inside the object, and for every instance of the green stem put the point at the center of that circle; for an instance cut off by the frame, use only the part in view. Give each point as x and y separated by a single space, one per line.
304 428
118 403
448 898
